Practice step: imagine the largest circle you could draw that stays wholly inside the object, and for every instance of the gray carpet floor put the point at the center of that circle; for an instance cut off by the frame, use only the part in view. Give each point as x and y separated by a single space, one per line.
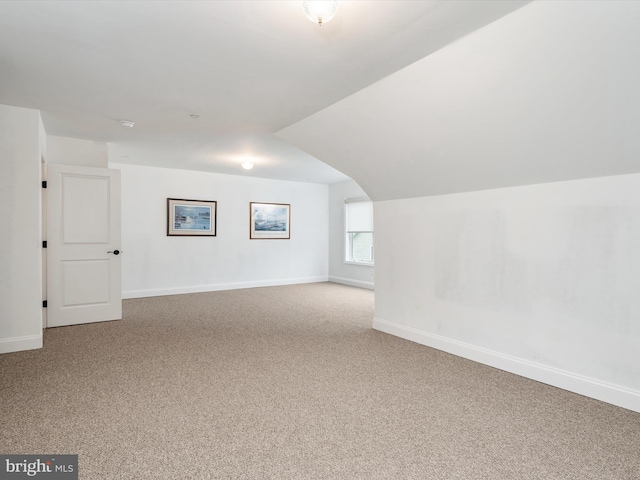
292 383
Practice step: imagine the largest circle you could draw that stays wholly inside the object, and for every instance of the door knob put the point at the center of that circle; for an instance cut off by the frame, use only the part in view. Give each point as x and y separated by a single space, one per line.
115 252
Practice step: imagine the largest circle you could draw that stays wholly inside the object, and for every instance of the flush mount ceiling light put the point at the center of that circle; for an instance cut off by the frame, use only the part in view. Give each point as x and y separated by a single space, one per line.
320 11
247 165
126 123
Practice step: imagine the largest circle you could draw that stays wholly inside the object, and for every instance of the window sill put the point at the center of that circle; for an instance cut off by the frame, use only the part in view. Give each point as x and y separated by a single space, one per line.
364 264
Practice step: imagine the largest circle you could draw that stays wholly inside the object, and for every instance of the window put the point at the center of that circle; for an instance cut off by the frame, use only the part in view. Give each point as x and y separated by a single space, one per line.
359 222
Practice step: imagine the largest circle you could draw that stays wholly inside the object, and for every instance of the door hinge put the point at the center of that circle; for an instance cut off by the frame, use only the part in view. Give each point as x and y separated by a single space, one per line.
44 304
44 244
44 184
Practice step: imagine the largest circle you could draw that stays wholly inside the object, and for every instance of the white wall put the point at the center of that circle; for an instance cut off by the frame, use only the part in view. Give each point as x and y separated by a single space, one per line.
535 285
20 235
75 151
339 271
540 280
155 264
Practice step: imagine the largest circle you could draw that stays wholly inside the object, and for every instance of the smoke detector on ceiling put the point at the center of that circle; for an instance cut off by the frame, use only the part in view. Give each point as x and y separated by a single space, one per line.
126 123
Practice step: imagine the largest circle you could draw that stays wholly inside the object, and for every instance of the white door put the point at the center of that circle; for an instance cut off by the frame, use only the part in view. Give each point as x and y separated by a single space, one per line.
83 245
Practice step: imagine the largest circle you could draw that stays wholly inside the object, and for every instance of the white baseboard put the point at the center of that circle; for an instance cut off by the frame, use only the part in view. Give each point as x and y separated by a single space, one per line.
350 281
589 387
18 344
157 292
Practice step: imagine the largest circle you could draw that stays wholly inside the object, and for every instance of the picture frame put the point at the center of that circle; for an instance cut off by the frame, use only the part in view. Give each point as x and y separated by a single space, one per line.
269 221
191 218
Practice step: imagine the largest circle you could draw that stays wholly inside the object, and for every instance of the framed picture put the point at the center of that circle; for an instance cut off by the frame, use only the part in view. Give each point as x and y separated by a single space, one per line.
270 221
191 217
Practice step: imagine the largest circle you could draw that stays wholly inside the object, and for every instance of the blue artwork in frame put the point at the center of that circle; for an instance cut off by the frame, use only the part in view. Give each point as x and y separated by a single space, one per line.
270 221
191 217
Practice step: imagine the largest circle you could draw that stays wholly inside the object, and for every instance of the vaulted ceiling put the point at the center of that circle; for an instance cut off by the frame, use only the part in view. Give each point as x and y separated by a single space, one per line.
246 68
548 93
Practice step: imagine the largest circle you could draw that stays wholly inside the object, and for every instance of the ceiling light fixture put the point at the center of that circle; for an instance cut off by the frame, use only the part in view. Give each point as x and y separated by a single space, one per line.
320 11
247 165
126 123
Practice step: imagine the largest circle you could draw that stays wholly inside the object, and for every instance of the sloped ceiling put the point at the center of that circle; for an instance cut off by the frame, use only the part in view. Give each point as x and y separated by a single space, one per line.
247 68
547 93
